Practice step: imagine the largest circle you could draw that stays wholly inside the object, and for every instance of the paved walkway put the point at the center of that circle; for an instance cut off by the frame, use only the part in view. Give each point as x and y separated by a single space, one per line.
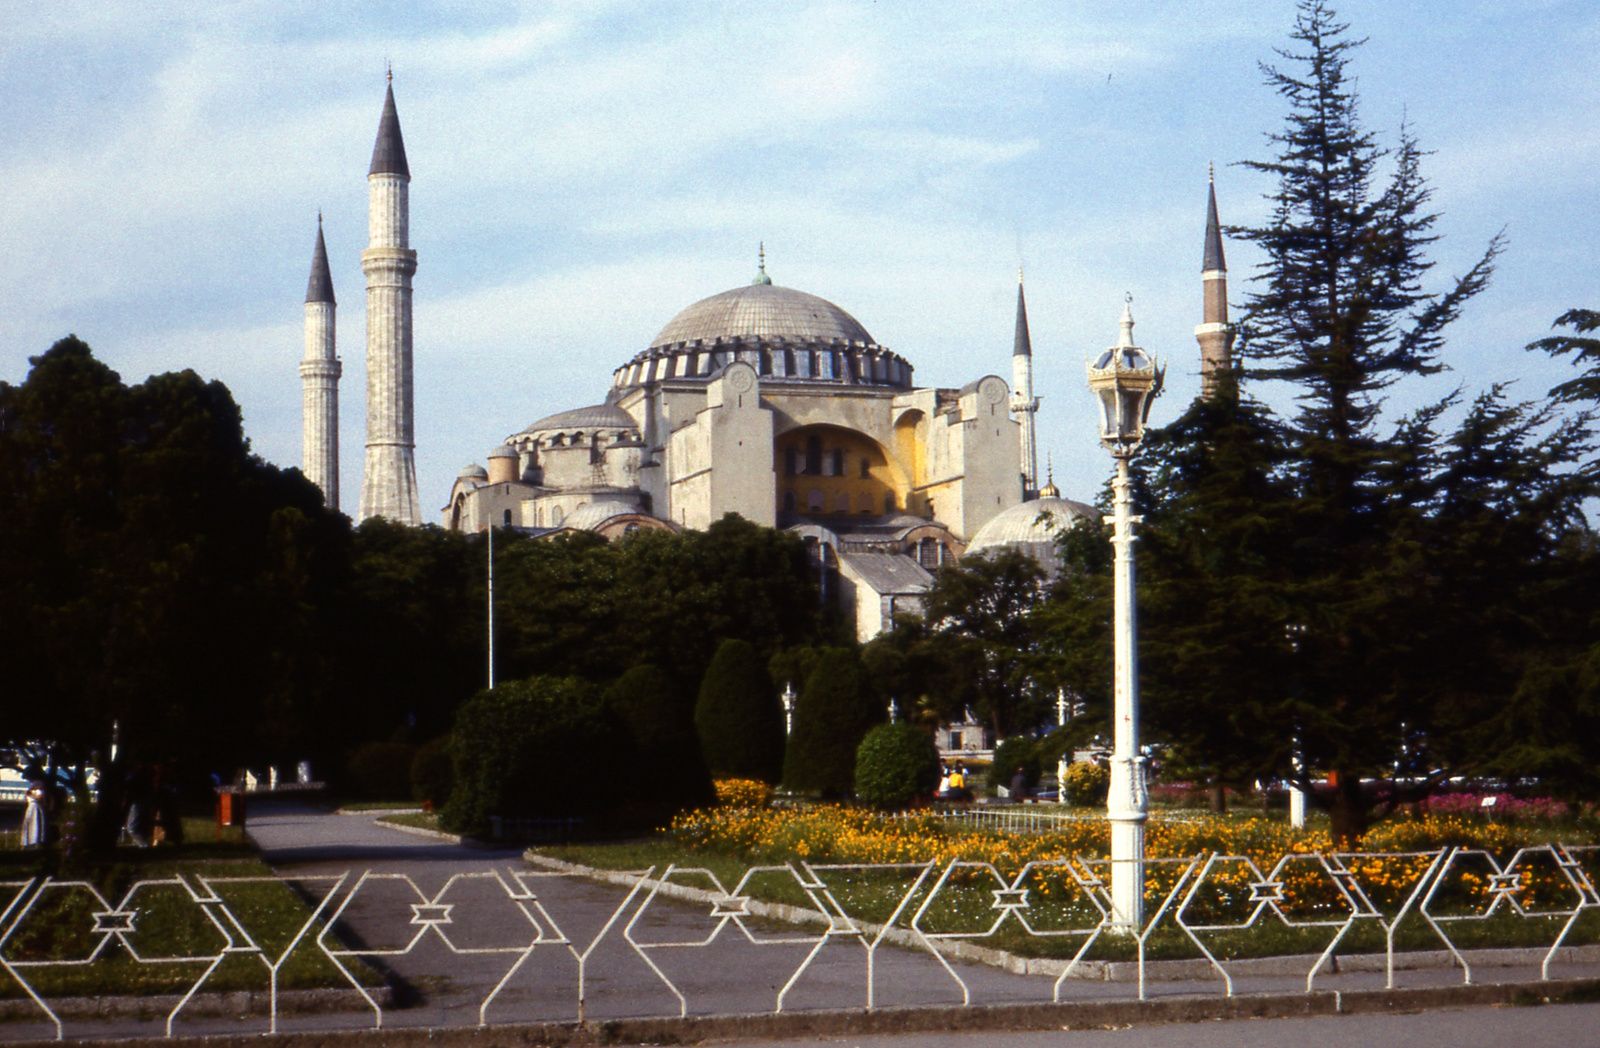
450 923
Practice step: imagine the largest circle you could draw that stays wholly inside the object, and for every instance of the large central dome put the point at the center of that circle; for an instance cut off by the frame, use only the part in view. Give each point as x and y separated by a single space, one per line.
763 312
787 335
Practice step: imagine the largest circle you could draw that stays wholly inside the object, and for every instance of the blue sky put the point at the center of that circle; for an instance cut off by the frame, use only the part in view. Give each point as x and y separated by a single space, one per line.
583 171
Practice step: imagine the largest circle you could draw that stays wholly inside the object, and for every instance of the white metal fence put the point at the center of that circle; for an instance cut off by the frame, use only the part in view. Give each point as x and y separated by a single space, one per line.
350 927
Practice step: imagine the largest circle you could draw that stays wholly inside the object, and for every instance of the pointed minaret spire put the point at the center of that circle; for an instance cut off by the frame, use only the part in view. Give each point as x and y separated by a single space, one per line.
1023 403
319 381
389 477
389 151
320 287
761 266
1214 334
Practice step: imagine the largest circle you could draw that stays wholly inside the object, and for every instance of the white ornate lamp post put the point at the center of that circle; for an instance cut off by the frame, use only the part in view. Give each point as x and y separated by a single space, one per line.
1061 762
1126 381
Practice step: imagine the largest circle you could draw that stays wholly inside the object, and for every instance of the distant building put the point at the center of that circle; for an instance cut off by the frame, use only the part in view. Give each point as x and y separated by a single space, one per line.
762 400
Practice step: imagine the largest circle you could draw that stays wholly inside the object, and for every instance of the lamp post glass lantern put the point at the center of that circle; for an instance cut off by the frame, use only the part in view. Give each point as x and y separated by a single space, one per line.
1125 380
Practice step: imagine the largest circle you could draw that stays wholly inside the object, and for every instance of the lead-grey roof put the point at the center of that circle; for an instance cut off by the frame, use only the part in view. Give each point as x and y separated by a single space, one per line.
763 311
389 152
1214 258
320 287
599 416
888 573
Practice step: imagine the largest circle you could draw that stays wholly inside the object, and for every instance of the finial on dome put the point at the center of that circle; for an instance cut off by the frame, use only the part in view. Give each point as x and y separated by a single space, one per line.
1050 491
761 266
1126 338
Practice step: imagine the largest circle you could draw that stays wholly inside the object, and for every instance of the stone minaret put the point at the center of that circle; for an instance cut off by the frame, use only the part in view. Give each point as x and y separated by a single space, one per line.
1023 403
1216 334
319 379
389 482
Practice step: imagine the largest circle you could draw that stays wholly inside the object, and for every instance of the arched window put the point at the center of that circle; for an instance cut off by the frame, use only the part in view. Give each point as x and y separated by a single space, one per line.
866 469
815 502
838 462
556 517
790 503
506 518
814 456
888 502
841 503
928 554
790 461
864 504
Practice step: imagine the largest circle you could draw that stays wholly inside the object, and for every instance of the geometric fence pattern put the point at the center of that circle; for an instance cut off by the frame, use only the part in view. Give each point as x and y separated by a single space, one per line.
196 926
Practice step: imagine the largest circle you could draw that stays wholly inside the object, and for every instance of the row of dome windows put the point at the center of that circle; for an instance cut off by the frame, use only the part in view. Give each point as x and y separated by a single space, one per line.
871 366
557 440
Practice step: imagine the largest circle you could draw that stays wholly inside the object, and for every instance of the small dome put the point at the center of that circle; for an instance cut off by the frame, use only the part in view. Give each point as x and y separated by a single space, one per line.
1033 528
763 311
600 416
503 451
472 471
594 514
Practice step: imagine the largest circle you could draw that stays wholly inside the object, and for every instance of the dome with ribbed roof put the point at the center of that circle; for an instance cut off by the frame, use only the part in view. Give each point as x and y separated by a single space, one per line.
1033 528
787 335
598 416
763 312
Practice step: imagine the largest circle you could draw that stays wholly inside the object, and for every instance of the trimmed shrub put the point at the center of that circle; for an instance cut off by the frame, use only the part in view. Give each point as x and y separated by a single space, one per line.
1017 750
896 763
381 771
738 716
542 747
1087 783
432 773
670 771
834 713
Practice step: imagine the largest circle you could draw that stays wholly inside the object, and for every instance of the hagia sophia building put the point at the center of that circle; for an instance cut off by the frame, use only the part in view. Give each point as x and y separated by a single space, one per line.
761 400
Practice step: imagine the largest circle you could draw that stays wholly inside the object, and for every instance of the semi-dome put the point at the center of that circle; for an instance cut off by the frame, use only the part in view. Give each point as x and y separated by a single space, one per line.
785 334
763 312
1031 527
593 514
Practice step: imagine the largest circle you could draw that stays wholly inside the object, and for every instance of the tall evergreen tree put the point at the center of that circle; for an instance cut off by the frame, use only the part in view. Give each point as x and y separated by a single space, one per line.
738 716
1374 545
834 713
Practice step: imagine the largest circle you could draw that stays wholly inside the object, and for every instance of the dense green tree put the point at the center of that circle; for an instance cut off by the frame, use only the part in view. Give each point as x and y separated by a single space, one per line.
156 574
1367 587
671 771
1213 556
546 747
738 716
835 710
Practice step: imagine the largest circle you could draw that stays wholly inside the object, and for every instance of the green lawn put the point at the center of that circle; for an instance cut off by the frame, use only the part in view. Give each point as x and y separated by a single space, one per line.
167 923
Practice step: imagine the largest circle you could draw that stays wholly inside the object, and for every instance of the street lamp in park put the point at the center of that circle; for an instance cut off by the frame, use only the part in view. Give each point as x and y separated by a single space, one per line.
788 708
1125 380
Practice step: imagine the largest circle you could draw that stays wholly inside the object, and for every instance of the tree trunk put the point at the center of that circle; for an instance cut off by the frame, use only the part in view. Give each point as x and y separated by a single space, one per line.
1219 799
1347 811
